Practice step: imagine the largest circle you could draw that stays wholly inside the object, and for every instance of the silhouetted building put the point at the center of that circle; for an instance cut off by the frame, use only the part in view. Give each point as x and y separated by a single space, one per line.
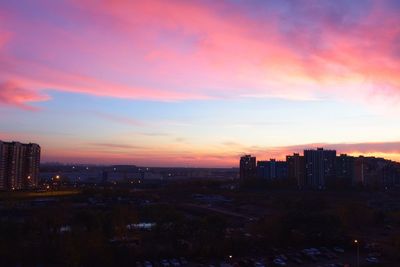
344 171
366 171
104 177
296 169
397 179
272 169
31 158
320 167
19 165
390 174
376 173
248 167
2 166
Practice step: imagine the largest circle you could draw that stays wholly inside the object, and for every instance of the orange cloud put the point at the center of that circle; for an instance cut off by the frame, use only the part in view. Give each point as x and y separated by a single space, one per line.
388 150
225 155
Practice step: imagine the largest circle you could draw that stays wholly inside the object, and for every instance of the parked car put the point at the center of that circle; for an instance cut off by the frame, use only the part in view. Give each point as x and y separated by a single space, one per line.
338 249
311 251
183 261
374 254
279 262
283 257
165 263
372 260
175 262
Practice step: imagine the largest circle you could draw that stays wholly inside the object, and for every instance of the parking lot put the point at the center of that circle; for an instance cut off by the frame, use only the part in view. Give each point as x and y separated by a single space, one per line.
308 257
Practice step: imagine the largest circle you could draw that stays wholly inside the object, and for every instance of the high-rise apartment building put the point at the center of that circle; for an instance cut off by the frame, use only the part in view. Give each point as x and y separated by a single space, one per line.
19 165
2 166
248 168
376 173
296 169
344 171
321 169
320 165
31 165
272 169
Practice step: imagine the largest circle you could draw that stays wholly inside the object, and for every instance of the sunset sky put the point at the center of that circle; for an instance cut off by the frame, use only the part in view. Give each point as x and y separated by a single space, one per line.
199 83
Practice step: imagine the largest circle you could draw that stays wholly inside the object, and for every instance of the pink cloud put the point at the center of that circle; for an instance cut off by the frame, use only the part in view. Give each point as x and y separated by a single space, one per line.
12 94
4 37
178 50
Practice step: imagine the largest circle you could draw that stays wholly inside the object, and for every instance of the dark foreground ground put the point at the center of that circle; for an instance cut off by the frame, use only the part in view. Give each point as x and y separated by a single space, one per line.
198 223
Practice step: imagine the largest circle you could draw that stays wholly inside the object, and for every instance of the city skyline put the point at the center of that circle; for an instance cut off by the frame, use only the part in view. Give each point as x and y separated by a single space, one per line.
322 169
199 83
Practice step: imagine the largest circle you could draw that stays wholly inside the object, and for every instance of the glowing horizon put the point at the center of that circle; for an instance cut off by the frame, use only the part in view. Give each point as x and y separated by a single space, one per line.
199 83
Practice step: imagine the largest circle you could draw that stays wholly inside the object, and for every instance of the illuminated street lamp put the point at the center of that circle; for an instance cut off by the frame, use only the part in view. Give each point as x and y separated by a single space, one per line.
358 252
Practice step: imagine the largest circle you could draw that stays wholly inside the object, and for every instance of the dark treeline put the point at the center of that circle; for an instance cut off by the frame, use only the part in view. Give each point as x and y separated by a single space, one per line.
95 228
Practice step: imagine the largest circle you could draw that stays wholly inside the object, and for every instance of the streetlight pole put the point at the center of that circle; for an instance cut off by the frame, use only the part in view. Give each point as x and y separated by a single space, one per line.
358 252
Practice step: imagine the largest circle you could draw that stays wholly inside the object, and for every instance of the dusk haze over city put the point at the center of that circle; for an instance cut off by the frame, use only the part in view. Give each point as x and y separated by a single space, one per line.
199 83
199 133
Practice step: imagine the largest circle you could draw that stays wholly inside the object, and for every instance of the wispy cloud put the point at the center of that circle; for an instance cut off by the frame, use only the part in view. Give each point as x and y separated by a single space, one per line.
180 139
115 146
154 134
12 94
180 50
118 118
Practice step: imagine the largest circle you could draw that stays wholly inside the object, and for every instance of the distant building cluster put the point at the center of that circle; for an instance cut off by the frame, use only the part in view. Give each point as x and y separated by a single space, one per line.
54 174
321 169
19 165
